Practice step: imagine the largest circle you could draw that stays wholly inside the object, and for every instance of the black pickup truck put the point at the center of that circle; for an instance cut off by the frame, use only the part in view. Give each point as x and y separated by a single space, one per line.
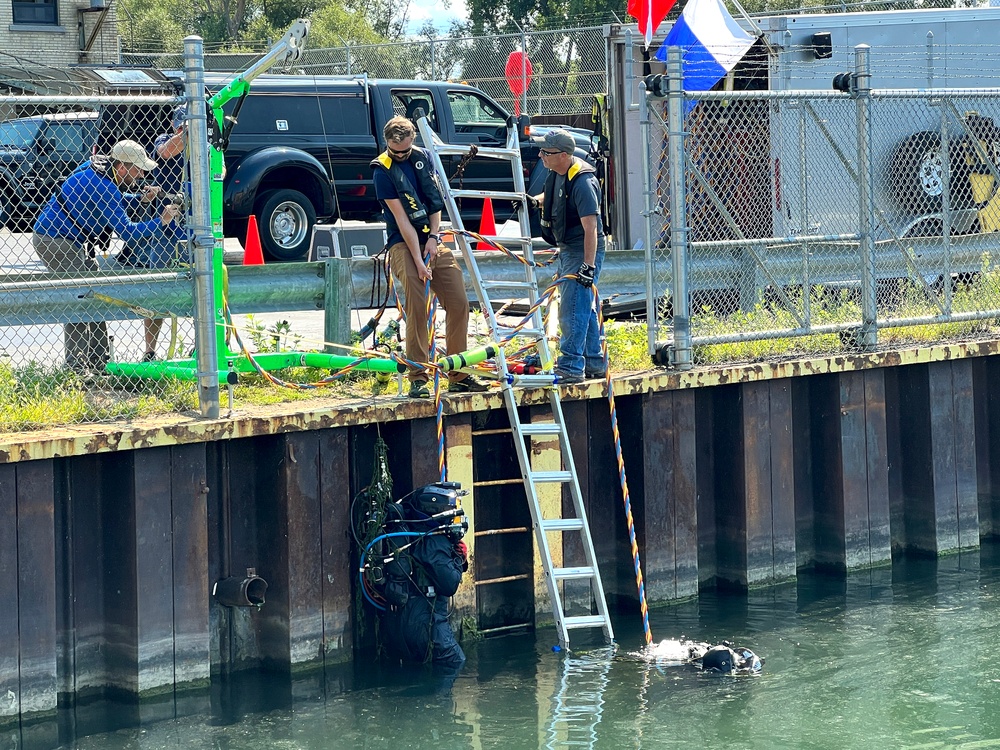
300 149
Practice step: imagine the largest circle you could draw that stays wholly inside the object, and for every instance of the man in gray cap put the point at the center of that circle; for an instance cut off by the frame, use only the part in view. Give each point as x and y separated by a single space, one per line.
571 219
89 203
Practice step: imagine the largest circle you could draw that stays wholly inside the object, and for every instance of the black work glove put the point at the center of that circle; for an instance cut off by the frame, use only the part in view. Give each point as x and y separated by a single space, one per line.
585 276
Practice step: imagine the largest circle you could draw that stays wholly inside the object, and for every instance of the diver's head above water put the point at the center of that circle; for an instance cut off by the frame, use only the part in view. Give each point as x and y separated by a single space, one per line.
728 659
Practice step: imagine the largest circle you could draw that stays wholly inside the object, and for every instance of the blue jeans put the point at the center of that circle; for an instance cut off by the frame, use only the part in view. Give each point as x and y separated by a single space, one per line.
579 338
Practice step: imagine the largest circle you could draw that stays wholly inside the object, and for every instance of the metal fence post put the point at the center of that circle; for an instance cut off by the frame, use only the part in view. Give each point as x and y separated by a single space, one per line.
678 209
652 313
524 74
434 75
930 59
866 202
200 231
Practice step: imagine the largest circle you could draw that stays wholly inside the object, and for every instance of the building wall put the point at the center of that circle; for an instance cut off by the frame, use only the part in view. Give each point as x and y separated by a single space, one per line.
62 44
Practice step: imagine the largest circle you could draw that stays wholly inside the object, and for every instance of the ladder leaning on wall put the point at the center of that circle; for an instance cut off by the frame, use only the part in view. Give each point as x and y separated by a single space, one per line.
525 432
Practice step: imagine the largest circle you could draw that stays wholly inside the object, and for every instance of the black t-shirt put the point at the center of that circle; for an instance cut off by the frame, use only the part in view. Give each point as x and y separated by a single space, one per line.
385 190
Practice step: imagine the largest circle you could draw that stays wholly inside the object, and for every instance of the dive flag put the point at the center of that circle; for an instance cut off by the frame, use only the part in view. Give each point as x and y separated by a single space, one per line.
712 42
649 14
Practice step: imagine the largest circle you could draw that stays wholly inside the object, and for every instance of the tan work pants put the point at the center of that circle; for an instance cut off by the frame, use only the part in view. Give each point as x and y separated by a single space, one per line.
449 286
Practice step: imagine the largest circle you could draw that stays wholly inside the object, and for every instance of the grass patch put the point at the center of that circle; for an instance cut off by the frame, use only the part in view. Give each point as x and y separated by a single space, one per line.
35 396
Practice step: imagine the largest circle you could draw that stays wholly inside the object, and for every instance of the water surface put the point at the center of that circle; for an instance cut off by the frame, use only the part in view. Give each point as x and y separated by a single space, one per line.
900 658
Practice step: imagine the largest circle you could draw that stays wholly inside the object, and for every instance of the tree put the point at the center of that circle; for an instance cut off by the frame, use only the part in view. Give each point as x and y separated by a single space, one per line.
161 25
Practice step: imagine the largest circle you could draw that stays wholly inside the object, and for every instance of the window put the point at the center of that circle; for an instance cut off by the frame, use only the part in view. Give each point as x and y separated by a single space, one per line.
477 119
70 138
411 104
36 12
471 110
306 115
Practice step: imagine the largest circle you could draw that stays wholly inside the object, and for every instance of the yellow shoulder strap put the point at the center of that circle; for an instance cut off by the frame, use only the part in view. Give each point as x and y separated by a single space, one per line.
574 170
385 160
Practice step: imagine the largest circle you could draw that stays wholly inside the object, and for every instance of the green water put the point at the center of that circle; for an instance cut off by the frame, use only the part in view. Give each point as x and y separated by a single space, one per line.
900 658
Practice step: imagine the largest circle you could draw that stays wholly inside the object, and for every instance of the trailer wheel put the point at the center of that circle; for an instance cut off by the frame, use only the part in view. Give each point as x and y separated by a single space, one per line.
916 174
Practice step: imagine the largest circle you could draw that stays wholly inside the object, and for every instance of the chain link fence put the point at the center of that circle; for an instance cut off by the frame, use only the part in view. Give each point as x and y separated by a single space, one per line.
95 266
568 66
821 221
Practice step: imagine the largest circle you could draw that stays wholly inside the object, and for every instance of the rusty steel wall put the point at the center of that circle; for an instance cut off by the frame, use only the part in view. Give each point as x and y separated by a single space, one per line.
116 541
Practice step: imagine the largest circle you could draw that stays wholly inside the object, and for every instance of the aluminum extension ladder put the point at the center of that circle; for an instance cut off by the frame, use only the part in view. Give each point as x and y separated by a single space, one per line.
524 432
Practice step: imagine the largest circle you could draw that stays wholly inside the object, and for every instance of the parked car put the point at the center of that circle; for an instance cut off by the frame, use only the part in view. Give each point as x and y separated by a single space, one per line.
36 154
301 148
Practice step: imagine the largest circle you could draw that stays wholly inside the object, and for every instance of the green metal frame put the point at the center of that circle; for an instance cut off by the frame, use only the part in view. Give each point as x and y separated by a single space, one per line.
230 363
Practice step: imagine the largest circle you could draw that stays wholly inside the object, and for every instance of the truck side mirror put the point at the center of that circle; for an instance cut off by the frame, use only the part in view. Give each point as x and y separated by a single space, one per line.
44 146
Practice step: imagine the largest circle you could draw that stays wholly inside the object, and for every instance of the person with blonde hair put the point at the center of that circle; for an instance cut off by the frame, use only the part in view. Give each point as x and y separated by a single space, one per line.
411 205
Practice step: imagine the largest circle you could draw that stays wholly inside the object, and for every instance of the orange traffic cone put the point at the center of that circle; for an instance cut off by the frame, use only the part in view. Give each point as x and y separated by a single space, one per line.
253 255
487 225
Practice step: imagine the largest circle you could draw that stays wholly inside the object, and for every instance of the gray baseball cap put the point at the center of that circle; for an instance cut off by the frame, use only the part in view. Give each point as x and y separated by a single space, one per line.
557 140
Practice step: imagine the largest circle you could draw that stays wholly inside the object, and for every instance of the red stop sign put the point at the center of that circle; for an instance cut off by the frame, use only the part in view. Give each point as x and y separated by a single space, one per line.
518 74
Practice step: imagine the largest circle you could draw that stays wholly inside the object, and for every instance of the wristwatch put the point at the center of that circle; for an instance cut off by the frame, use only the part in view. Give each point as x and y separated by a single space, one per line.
435 237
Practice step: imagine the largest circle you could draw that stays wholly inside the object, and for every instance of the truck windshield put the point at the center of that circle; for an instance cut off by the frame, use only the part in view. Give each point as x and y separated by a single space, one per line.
18 133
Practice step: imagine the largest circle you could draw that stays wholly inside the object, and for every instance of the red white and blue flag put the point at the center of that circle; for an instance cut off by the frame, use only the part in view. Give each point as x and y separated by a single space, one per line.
649 14
712 42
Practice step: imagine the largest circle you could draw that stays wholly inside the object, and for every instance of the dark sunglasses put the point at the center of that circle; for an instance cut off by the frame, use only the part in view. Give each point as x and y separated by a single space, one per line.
543 152
404 152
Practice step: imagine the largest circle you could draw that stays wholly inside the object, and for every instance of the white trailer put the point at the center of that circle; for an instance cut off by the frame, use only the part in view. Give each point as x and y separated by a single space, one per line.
911 49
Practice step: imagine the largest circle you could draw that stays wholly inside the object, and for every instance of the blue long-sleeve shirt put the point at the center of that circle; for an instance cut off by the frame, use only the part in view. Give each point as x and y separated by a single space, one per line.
95 203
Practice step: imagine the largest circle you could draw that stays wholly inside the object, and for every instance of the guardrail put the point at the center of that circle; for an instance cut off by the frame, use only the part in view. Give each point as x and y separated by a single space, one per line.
335 285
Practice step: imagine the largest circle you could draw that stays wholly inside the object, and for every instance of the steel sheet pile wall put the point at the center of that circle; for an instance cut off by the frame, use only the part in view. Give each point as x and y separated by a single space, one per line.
736 480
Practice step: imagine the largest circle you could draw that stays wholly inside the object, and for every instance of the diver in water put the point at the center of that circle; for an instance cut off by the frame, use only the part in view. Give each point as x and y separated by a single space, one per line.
423 575
729 659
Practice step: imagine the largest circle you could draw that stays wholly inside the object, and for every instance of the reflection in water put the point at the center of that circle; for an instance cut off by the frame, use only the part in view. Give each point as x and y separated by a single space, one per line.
578 704
888 658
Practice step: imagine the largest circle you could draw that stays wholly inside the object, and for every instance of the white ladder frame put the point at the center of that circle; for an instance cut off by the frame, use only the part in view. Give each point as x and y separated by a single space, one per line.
511 153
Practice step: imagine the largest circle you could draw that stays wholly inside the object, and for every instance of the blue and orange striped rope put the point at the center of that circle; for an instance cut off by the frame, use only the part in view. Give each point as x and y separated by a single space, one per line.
622 477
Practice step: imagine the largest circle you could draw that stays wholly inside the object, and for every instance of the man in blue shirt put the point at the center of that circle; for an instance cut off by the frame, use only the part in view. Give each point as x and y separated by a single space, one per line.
411 206
89 202
571 219
163 250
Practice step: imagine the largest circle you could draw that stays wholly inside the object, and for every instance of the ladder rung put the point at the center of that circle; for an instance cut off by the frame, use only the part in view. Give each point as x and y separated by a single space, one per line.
537 381
541 428
584 621
562 524
509 285
506 240
550 476
496 195
491 152
572 574
520 331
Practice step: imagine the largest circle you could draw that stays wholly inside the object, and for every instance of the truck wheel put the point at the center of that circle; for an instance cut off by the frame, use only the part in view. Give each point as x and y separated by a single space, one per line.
285 219
916 174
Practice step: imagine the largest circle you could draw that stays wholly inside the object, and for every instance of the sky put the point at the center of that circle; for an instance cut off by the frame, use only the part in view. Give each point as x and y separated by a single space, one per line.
434 10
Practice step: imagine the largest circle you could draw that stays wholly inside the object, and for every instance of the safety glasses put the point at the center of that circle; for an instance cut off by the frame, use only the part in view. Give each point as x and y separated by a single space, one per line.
402 153
543 152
